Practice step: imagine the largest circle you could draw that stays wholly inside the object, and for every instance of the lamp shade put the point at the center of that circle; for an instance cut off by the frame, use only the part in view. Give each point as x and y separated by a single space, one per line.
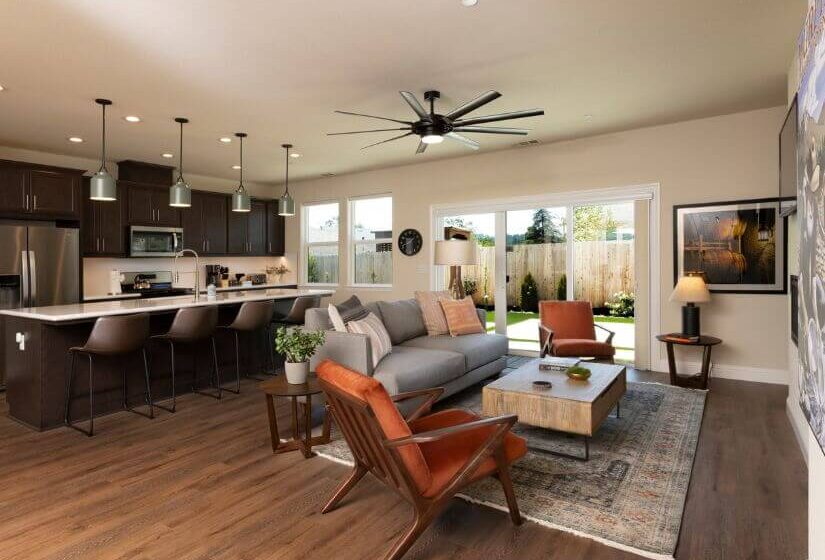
102 186
180 195
286 205
241 201
455 252
691 289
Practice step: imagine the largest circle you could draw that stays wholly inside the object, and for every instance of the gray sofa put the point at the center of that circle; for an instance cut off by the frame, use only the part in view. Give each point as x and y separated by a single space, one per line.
417 361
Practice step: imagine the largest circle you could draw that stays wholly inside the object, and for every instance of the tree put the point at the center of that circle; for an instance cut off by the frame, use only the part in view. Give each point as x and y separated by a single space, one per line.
529 294
592 223
544 229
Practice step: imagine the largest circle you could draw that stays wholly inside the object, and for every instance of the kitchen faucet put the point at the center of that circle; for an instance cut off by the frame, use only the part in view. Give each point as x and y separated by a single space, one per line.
197 270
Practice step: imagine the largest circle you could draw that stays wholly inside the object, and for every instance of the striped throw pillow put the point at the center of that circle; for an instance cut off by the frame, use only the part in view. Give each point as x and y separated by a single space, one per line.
432 311
461 316
372 326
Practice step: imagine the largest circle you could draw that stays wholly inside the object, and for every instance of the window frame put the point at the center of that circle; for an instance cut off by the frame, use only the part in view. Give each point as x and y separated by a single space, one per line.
353 243
306 245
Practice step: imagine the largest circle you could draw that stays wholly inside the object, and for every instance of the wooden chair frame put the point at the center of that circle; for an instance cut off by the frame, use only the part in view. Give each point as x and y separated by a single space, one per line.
547 334
374 453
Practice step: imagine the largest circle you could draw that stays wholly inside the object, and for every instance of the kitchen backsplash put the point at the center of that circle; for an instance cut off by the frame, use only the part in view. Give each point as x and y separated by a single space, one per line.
96 270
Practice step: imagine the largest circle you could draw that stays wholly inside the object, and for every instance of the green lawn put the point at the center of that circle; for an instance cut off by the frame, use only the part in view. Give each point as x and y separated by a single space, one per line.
515 317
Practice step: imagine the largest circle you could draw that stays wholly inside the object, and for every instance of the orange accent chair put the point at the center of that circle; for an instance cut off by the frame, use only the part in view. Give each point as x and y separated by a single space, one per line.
566 329
426 458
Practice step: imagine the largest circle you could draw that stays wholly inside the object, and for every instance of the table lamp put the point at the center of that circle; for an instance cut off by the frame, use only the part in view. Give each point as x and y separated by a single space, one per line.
455 253
690 290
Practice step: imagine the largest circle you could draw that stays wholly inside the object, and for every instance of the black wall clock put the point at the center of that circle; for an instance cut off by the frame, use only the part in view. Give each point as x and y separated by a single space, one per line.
410 241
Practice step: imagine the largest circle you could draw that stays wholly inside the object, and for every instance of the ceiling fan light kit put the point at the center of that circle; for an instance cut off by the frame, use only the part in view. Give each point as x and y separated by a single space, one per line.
433 128
102 185
240 198
180 195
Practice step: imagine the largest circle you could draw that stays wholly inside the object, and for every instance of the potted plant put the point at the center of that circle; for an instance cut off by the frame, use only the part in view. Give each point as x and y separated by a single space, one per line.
278 271
297 347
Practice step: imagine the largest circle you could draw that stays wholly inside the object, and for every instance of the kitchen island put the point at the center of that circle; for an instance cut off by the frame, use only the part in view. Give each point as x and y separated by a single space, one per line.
37 340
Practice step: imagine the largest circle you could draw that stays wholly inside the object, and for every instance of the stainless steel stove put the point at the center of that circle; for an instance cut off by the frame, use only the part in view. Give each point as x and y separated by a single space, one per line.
151 284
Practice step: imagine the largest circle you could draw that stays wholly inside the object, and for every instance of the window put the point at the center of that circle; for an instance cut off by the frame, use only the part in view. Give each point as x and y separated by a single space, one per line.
320 243
371 241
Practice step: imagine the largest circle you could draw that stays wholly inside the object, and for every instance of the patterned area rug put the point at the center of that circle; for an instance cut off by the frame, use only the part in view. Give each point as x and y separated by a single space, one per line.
630 494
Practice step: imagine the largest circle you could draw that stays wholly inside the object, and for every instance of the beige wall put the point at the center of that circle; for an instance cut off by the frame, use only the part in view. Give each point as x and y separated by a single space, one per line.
715 159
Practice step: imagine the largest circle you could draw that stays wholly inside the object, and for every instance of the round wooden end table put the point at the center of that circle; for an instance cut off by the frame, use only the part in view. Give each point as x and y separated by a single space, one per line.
697 380
278 387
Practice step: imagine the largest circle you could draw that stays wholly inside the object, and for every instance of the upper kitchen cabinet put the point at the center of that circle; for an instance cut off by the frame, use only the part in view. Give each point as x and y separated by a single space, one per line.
31 191
103 228
274 230
247 231
149 205
204 223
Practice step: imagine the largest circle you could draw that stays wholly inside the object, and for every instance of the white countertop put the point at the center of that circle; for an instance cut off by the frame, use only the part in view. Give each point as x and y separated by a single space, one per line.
110 297
252 287
92 310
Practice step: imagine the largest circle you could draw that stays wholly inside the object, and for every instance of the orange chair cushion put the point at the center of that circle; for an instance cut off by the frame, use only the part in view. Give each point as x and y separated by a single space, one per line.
369 390
568 319
448 456
580 347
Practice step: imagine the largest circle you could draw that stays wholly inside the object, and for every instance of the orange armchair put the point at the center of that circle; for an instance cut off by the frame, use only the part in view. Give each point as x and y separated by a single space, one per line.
566 329
426 458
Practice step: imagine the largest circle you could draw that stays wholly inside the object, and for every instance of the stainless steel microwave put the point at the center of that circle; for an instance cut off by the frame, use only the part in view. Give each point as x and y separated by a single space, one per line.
148 241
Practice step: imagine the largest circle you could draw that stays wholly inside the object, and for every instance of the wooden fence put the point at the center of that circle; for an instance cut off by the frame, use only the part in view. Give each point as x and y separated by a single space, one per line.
370 268
600 270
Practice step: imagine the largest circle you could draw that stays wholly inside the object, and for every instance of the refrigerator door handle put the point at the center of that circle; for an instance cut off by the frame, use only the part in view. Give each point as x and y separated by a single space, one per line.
33 266
24 293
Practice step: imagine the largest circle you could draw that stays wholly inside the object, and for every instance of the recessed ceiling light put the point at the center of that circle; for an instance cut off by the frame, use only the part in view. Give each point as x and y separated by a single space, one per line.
236 167
469 3
75 139
2 88
588 117
167 155
225 140
294 155
132 118
327 174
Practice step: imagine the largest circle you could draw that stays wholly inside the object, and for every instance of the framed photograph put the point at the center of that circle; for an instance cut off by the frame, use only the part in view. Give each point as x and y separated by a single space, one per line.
738 245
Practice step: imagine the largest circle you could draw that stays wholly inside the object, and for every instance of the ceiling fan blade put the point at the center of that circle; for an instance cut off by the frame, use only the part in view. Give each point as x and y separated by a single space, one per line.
365 131
500 117
413 102
470 106
422 147
372 117
463 139
492 130
388 140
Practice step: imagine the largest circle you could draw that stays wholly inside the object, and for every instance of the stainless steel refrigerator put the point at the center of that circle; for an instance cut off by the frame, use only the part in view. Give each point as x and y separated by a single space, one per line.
39 266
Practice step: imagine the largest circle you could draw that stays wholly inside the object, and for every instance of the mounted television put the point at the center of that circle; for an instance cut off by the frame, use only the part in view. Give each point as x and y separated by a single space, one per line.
788 161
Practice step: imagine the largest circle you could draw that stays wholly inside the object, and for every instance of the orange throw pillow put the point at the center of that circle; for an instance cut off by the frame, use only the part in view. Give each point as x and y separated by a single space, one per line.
461 316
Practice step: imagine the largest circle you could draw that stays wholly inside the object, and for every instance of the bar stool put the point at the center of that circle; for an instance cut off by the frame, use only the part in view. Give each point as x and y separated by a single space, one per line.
191 325
294 317
252 316
119 335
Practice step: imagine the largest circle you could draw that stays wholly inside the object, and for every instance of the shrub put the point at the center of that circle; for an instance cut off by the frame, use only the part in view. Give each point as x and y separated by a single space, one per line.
470 286
297 345
622 305
529 294
561 289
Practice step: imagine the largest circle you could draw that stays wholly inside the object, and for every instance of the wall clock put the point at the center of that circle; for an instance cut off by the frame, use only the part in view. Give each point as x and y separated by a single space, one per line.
410 242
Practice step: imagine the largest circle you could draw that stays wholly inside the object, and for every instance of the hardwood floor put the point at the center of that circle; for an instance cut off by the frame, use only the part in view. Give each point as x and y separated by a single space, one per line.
204 484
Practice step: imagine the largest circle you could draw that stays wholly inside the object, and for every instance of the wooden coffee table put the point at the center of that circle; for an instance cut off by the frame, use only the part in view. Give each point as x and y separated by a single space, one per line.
570 406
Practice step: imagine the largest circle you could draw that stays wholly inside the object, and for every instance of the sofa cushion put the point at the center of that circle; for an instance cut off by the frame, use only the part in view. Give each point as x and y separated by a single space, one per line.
477 349
581 348
462 317
403 319
372 326
343 313
409 369
431 311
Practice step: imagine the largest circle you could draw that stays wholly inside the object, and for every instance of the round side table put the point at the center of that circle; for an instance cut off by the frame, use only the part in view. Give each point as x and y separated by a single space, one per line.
278 387
697 380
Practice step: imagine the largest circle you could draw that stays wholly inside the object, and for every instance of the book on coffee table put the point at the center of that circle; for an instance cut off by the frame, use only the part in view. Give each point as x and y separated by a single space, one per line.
553 363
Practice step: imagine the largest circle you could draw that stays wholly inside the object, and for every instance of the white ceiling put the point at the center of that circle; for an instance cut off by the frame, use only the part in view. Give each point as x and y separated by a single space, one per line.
277 69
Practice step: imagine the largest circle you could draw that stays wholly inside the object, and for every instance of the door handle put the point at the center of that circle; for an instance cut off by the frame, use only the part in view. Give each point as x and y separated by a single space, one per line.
33 266
24 294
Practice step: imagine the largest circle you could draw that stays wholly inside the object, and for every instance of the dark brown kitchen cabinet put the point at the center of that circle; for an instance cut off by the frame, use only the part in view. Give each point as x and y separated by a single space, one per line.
274 230
149 205
103 228
247 231
204 223
34 191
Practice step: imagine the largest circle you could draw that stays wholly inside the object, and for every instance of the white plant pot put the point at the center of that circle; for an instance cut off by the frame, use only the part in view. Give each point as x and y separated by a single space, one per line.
296 373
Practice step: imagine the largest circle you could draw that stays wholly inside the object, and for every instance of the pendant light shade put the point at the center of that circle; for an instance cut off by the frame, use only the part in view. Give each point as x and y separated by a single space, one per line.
102 185
240 198
180 195
286 205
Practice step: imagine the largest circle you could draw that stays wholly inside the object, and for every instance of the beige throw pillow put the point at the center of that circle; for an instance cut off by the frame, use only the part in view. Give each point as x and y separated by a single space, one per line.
432 311
462 317
372 326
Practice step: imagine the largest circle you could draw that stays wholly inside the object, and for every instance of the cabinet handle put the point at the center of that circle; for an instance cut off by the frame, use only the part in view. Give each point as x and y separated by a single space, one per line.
34 202
26 204
208 244
270 246
97 244
103 240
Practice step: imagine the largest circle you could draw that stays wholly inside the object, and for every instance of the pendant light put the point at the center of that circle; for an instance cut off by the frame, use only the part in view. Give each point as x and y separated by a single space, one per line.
180 195
286 205
240 198
102 185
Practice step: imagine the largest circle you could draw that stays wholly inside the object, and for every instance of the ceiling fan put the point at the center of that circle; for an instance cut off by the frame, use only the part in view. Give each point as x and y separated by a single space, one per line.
433 127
